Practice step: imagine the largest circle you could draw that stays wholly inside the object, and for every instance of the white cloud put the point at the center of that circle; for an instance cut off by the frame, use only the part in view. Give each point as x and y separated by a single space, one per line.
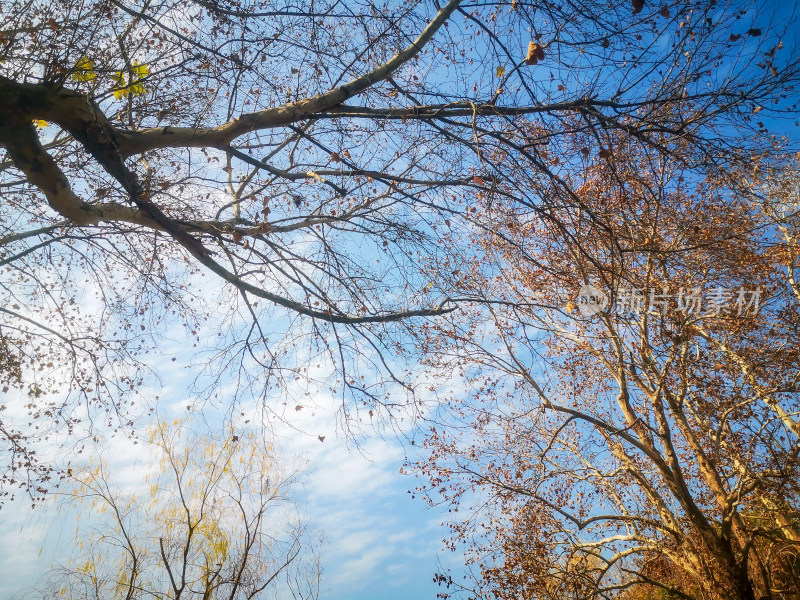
375 535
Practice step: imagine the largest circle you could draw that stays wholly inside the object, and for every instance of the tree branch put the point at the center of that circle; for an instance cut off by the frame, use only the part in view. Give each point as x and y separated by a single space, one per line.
135 142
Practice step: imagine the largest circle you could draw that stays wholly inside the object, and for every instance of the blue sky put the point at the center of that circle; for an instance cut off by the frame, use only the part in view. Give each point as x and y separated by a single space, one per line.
377 541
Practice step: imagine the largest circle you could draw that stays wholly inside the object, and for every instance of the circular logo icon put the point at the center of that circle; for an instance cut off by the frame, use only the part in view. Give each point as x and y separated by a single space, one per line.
591 300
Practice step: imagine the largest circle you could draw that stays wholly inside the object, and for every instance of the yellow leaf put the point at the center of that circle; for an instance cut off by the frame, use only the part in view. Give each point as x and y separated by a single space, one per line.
41 124
119 79
133 86
140 71
137 89
501 71
84 70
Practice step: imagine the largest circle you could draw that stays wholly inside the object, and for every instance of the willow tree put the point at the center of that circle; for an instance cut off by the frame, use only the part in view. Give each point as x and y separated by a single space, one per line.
304 164
214 519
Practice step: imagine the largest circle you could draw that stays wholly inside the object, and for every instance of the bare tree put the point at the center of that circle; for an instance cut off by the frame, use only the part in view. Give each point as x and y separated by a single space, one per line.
312 160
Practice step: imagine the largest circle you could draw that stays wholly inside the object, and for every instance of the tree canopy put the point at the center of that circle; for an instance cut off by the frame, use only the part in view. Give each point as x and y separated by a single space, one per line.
647 442
351 193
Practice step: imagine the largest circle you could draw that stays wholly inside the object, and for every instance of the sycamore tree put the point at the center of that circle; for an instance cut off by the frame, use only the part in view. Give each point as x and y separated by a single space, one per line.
280 175
214 519
631 421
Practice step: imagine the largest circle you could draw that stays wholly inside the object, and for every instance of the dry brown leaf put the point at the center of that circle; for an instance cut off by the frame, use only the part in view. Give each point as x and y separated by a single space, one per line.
535 53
